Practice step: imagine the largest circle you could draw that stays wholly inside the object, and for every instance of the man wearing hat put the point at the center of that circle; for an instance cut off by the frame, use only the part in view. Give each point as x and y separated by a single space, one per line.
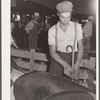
32 29
62 35
87 32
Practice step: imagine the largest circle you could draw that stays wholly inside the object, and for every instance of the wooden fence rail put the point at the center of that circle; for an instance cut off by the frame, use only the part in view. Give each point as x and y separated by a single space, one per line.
32 55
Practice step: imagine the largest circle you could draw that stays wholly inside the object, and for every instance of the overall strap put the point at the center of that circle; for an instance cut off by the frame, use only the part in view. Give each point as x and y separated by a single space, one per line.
56 31
74 44
75 35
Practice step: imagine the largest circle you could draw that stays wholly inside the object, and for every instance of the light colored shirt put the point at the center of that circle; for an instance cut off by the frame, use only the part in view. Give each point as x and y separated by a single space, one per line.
87 29
64 39
29 26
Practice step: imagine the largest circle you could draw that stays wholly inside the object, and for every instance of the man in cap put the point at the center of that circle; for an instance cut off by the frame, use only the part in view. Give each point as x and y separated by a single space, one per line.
32 29
62 35
87 32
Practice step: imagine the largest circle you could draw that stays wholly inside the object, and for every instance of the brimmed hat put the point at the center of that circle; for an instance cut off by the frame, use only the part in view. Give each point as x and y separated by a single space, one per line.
90 17
36 14
65 6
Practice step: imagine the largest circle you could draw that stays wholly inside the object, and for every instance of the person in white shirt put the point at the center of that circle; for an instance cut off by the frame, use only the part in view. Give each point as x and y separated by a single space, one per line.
32 29
87 32
62 35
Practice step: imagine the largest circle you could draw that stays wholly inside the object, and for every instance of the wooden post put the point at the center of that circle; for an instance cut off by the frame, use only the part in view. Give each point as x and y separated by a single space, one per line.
32 56
92 63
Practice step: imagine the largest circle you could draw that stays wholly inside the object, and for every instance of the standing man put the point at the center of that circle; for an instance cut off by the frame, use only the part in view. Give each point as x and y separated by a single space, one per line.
87 32
62 35
32 29
13 44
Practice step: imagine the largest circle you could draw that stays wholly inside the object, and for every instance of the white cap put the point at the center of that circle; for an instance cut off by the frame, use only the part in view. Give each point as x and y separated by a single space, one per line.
36 14
90 17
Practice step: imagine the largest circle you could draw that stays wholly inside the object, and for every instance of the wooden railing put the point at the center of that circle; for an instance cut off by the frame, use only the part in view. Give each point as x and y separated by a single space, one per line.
32 55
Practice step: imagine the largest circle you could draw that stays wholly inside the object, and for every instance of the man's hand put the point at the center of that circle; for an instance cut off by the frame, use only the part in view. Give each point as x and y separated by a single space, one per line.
76 67
27 31
75 71
67 69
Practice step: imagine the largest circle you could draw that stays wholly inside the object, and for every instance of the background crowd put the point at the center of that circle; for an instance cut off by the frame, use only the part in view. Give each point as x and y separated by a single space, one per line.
21 36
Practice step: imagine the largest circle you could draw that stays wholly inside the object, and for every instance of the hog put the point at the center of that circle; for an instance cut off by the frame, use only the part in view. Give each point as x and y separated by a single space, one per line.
46 86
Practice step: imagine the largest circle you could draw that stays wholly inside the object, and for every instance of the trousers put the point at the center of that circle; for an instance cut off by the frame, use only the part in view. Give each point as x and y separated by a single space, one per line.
56 68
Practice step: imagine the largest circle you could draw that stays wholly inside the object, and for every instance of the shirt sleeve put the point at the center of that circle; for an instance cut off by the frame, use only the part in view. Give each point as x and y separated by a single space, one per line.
29 26
84 28
51 36
79 32
87 29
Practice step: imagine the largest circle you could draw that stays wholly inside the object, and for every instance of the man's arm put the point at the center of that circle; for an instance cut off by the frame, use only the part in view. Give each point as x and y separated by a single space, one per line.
29 27
57 58
79 55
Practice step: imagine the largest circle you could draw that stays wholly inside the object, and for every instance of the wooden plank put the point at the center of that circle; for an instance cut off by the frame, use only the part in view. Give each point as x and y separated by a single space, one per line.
41 56
38 56
90 51
85 63
26 65
27 54
92 63
20 53
32 58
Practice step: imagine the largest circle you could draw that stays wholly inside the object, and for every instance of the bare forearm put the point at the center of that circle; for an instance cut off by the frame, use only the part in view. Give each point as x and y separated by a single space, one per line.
80 54
57 58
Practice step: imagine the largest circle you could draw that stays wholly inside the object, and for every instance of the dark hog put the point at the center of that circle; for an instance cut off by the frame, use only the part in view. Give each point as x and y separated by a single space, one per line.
40 85
70 95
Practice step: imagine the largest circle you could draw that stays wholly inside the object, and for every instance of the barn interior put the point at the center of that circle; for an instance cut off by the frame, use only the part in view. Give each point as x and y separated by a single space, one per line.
24 60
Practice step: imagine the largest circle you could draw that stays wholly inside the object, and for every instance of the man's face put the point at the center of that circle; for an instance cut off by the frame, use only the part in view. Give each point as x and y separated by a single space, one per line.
64 17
